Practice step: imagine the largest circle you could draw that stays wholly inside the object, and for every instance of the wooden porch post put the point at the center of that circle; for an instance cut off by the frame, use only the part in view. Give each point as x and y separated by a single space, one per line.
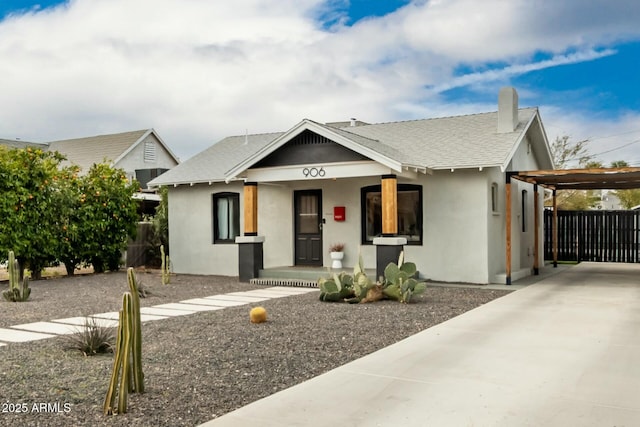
508 224
251 209
555 230
389 205
389 246
536 226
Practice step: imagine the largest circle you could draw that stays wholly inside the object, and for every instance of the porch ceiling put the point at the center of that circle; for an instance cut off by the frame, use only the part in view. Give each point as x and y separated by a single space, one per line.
583 179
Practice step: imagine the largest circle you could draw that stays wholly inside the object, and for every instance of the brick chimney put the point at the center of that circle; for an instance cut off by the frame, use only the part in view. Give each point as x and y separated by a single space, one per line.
507 110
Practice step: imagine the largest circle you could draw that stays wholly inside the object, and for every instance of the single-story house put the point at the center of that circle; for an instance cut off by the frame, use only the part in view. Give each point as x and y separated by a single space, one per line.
436 188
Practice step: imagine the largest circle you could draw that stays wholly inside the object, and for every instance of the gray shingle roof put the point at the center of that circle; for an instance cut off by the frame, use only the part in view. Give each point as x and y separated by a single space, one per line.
14 143
212 163
449 142
442 143
84 152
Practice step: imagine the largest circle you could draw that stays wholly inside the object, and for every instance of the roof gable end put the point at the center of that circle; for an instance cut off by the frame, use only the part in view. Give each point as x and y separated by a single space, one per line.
337 136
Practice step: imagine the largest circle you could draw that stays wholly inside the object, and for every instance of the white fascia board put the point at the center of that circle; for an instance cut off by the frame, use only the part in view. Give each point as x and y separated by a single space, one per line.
132 146
166 147
515 146
296 130
317 171
543 132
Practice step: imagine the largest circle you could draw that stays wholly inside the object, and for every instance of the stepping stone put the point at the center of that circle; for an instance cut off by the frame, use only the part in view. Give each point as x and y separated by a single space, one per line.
261 293
226 302
210 301
240 298
189 307
80 321
48 328
115 316
13 335
164 311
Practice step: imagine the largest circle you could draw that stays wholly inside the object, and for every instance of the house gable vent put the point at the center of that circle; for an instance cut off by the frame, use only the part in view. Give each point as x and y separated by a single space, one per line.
309 147
149 151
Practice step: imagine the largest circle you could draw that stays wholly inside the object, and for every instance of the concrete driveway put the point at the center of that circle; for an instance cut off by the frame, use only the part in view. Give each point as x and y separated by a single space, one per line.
564 351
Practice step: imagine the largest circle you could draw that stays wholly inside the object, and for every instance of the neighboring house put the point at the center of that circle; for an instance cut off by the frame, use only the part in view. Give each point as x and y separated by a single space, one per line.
608 201
435 187
142 154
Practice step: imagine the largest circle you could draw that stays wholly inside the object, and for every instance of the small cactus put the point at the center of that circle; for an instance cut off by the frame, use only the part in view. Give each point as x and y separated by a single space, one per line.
18 291
258 315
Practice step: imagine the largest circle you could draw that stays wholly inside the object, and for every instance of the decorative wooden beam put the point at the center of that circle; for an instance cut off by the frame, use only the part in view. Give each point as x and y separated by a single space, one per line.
536 226
251 209
389 205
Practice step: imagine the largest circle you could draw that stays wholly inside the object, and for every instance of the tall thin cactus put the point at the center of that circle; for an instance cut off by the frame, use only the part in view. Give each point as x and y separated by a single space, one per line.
165 265
136 343
127 363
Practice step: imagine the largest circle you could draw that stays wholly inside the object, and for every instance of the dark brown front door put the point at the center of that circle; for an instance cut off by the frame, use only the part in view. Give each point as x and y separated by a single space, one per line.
308 227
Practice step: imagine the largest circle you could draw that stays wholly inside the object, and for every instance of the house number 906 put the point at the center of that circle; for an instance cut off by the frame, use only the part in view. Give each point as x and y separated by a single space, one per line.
313 172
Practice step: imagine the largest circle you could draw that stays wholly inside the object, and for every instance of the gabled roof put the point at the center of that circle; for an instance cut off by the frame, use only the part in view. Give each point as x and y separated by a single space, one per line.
84 152
469 141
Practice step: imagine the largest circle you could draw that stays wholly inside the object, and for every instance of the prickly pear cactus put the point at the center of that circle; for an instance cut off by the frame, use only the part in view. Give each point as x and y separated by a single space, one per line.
399 283
337 288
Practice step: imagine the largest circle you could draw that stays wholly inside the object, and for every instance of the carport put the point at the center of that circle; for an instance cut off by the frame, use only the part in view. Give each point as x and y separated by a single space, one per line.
563 179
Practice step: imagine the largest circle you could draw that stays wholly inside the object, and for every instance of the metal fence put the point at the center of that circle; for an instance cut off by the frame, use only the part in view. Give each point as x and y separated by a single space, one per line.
604 236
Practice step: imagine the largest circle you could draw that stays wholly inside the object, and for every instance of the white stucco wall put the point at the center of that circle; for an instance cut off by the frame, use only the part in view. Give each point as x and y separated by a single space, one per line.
522 243
191 232
454 225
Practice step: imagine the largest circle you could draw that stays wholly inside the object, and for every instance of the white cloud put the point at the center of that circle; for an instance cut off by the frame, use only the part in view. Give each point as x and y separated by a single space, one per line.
200 70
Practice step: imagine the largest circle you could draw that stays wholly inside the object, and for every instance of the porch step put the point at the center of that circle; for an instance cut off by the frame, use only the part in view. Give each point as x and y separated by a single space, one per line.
309 275
270 281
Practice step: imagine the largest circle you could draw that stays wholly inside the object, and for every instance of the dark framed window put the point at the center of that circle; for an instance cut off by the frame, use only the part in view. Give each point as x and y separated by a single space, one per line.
409 213
226 217
494 198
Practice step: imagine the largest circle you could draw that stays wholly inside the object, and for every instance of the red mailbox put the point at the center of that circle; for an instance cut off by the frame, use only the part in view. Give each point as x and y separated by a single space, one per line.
339 213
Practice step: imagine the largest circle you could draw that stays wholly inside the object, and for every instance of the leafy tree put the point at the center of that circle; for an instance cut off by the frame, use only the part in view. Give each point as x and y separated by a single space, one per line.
161 219
29 215
567 154
107 216
72 237
628 198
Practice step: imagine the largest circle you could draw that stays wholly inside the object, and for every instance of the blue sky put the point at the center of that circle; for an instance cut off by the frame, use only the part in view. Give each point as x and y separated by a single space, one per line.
199 71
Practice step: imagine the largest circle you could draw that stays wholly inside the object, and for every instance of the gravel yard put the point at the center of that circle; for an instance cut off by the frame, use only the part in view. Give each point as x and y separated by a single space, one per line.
203 365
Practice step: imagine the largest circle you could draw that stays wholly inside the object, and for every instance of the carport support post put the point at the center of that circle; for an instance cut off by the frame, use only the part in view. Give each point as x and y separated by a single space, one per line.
555 229
536 226
250 255
507 189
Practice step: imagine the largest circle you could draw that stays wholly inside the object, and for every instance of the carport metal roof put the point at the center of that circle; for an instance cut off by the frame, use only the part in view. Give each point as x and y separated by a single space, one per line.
582 179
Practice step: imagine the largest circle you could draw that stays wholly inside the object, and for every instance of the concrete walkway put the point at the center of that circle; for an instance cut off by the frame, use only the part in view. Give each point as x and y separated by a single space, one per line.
564 351
43 330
